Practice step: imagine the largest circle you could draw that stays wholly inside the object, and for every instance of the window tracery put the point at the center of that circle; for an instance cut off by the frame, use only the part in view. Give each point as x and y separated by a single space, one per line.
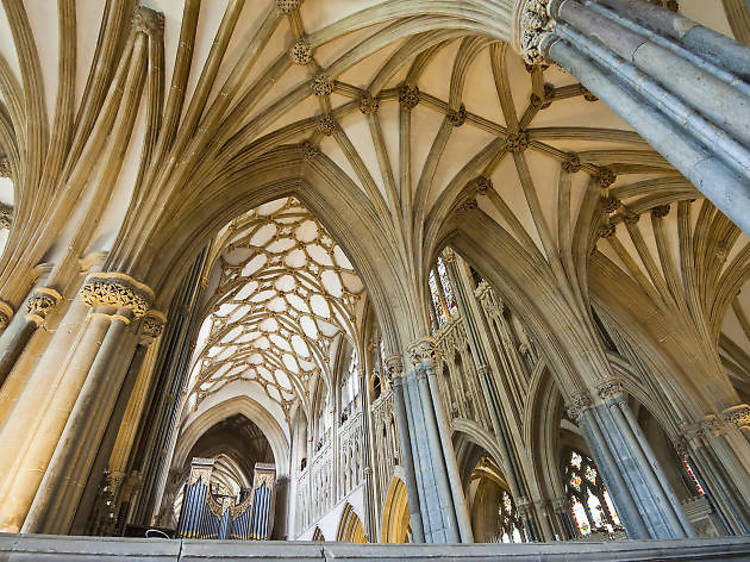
286 290
590 503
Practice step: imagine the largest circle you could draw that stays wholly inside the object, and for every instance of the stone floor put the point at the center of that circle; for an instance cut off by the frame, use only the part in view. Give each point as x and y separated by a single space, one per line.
27 548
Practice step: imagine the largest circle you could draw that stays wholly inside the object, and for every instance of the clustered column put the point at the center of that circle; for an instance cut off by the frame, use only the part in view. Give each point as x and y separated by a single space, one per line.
681 86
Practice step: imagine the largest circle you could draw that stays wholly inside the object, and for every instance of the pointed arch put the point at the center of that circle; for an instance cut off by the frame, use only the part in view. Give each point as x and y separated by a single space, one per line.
396 524
350 527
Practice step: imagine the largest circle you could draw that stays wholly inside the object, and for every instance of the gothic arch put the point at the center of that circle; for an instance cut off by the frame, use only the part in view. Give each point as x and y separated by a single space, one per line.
396 524
350 527
318 535
467 435
249 408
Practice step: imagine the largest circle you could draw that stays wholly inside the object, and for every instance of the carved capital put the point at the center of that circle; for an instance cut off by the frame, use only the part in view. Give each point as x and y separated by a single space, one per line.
326 125
681 446
449 256
148 21
457 117
322 84
577 404
408 96
630 217
610 389
424 349
605 176
609 204
532 25
118 291
368 105
572 163
300 52
660 211
41 302
6 216
395 366
6 313
4 166
152 325
737 415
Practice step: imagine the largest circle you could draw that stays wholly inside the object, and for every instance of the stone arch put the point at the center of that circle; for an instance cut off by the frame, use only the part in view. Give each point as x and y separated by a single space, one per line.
318 535
350 527
467 435
253 411
396 524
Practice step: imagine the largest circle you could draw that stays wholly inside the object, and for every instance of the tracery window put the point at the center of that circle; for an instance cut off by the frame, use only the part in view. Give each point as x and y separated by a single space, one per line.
450 299
436 301
350 388
590 502
510 522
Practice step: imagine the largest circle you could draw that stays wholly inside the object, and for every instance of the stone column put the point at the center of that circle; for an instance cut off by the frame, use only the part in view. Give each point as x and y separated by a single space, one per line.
41 301
646 504
395 372
121 298
677 84
151 327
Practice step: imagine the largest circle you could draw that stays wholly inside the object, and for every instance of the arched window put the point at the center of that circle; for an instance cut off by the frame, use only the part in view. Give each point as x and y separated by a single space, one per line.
510 523
450 300
436 301
590 503
350 388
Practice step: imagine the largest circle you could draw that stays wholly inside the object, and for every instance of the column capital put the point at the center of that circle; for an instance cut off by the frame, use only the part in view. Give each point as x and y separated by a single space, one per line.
424 349
738 415
6 216
6 313
711 424
395 366
610 389
531 24
577 404
40 303
119 291
152 326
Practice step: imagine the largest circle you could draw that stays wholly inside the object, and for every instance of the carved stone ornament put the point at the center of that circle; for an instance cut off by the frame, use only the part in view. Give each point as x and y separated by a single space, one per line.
449 256
287 6
326 125
660 211
148 21
533 24
395 366
423 350
300 52
605 176
577 404
606 230
543 102
6 216
610 389
681 447
517 142
589 96
467 205
482 184
4 166
310 151
737 415
631 218
322 84
408 96
6 313
152 324
368 104
609 204
571 164
118 291
457 117
41 302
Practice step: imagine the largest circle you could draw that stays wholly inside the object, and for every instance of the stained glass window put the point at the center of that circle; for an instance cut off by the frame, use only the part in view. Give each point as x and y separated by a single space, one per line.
450 300
510 525
590 502
435 292
693 477
590 474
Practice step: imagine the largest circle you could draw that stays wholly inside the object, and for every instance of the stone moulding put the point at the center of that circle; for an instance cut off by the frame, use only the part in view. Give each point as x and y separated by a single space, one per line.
6 313
118 291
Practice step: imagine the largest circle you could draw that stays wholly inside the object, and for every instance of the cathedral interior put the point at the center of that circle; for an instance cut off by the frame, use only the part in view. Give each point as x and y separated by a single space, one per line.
337 272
